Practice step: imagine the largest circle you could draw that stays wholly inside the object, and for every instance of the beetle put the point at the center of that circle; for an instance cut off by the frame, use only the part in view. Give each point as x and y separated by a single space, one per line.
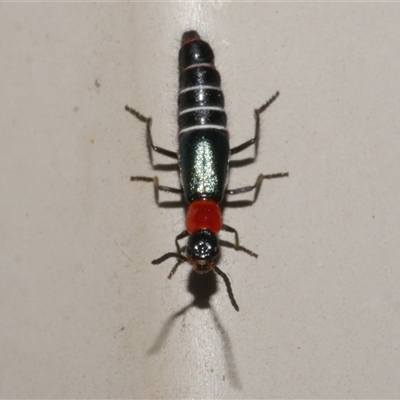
203 158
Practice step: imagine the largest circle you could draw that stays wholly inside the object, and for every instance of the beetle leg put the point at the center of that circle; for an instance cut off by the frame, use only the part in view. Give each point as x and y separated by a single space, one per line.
179 237
257 113
147 121
237 246
157 187
257 185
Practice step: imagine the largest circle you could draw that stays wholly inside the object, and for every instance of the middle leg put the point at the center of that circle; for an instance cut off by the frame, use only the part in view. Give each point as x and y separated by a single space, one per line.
257 185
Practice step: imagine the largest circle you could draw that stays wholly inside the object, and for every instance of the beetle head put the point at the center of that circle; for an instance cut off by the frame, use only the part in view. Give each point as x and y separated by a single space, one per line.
202 249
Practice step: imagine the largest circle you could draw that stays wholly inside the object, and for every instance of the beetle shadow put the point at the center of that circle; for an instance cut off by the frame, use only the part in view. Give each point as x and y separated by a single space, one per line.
239 203
168 203
243 162
202 287
164 167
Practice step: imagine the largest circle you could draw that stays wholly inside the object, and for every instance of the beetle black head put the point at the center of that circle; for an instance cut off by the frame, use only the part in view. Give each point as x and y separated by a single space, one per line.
202 249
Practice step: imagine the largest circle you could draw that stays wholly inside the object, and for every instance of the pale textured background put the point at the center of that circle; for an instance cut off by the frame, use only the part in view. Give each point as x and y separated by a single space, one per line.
83 312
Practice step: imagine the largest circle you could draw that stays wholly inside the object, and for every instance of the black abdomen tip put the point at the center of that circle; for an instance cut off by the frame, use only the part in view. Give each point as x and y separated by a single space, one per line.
189 36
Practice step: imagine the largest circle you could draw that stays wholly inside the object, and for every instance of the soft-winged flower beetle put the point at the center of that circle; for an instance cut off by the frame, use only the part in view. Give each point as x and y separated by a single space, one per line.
203 157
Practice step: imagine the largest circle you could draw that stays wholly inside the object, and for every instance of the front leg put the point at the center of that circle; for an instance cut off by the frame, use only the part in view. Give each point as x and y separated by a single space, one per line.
237 246
179 237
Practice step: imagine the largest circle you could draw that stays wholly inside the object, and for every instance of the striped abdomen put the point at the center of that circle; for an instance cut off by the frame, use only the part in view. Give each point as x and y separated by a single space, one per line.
203 138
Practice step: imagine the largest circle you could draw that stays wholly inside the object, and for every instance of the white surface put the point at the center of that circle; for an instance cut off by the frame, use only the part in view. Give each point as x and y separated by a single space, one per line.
320 308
